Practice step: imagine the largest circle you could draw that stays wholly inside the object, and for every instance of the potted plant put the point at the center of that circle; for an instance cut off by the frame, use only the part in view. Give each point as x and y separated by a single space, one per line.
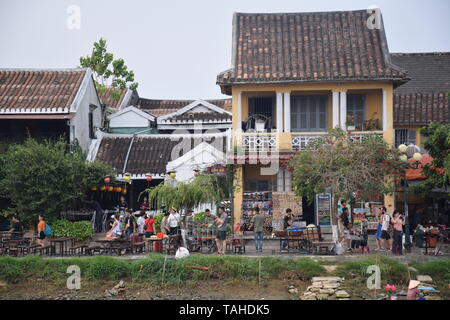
350 123
390 292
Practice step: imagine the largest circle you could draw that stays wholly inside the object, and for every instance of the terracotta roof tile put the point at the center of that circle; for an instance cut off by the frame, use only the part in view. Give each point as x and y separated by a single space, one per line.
425 97
318 46
33 90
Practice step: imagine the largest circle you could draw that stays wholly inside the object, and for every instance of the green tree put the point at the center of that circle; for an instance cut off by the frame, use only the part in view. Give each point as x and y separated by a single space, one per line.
46 178
346 168
187 195
107 71
437 143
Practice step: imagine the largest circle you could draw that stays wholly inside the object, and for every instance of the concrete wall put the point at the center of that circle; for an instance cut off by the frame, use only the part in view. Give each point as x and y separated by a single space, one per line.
129 119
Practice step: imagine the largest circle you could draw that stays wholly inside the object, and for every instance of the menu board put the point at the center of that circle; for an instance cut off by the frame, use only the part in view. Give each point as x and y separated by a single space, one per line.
323 210
283 201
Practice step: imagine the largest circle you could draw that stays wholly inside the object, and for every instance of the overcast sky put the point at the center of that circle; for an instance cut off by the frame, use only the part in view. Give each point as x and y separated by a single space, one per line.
176 48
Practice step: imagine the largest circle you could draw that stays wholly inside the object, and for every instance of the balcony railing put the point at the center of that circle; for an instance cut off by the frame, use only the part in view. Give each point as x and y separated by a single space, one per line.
259 141
302 141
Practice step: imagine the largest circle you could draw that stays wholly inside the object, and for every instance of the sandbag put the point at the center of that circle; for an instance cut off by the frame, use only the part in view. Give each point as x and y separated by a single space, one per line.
181 253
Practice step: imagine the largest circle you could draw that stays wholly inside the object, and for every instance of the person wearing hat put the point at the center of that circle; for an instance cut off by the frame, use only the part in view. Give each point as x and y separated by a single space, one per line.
413 291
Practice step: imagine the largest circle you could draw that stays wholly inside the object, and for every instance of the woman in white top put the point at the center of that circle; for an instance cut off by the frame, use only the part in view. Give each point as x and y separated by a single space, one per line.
116 229
141 223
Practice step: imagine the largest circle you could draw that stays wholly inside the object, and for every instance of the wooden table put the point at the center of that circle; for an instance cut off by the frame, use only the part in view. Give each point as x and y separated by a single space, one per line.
109 242
62 243
209 241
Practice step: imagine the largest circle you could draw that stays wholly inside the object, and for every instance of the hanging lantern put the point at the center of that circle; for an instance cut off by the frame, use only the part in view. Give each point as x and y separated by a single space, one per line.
102 188
124 191
118 189
107 179
110 188
148 177
94 188
172 175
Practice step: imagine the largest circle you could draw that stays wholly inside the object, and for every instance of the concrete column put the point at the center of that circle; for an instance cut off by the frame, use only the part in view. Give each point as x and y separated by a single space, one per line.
343 110
280 180
287 112
287 180
335 108
239 112
279 111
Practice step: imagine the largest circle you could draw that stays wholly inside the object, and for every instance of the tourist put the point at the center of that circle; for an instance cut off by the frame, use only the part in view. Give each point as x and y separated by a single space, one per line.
398 222
209 219
116 228
16 225
413 291
287 222
258 228
165 229
122 206
150 228
173 222
221 223
144 205
385 237
379 215
345 222
141 223
364 235
130 223
41 231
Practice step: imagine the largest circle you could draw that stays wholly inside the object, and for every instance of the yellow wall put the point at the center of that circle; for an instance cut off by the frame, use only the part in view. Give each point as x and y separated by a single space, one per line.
419 138
374 104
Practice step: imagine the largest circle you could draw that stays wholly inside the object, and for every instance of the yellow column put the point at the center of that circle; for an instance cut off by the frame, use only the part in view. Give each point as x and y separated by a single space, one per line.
238 192
388 133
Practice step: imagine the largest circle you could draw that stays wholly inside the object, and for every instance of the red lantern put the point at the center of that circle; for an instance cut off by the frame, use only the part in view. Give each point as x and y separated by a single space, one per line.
148 178
107 180
110 188
118 189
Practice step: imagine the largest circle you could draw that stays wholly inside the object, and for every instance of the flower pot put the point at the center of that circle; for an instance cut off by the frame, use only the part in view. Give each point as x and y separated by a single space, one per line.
393 297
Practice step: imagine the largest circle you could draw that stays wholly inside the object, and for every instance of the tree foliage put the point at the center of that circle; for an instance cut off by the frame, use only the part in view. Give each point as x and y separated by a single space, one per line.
47 178
187 195
107 71
344 167
437 143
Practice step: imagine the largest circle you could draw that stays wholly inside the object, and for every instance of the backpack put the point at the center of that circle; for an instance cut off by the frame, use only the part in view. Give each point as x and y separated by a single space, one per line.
48 231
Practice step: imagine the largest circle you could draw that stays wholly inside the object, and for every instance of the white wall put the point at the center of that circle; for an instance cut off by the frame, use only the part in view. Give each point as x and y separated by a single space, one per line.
129 119
81 119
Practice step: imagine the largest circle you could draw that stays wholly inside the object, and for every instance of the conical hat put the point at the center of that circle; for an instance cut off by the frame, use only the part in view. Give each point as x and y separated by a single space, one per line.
413 284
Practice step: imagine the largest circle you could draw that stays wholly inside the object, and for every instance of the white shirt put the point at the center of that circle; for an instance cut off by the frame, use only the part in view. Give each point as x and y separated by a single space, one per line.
172 221
385 219
141 224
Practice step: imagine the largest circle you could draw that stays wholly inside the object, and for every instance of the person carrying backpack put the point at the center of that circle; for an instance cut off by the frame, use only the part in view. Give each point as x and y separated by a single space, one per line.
41 231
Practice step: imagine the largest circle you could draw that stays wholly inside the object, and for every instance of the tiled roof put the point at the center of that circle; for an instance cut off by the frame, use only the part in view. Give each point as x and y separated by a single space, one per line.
39 91
109 101
425 97
201 116
162 107
307 47
147 154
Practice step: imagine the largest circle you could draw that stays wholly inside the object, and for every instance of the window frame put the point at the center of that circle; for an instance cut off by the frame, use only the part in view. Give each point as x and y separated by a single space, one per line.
313 102
351 97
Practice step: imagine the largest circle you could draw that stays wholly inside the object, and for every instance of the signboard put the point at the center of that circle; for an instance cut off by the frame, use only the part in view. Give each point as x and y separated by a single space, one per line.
285 200
323 210
218 170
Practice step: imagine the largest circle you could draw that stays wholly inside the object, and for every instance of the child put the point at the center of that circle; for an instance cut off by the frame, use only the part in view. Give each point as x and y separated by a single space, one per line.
413 291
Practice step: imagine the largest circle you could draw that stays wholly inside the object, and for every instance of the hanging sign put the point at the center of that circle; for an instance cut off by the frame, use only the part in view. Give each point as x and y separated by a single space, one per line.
218 170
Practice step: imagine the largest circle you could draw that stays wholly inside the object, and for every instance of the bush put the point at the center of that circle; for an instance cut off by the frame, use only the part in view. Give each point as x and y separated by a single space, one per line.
439 270
107 268
80 230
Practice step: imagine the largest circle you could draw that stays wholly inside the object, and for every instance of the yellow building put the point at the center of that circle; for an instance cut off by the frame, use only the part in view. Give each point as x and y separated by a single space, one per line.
293 76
